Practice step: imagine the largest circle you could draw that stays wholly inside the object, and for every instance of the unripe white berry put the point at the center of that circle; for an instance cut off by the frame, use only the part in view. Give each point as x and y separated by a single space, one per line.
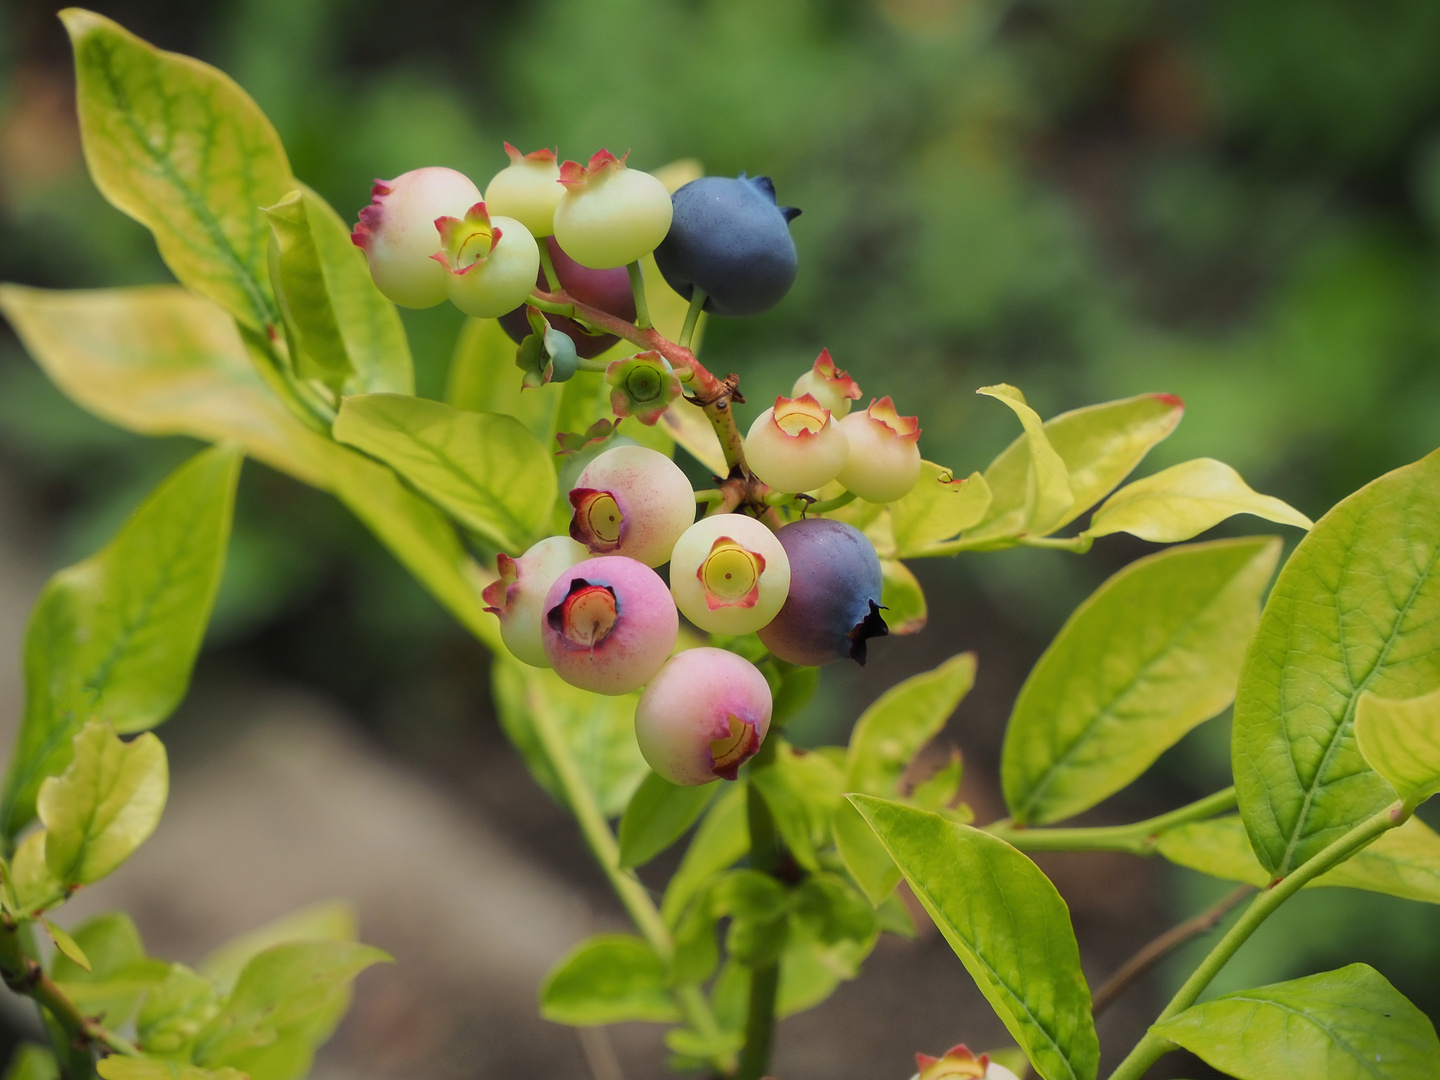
490 263
517 597
702 716
528 190
397 232
729 574
609 215
796 446
832 388
884 460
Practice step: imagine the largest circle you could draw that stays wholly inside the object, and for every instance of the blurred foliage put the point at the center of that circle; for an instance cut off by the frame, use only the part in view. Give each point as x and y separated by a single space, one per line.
1235 202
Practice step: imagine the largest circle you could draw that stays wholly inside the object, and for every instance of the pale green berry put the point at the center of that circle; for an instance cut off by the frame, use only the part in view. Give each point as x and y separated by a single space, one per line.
796 446
884 461
827 384
729 574
491 263
517 597
397 232
528 190
609 215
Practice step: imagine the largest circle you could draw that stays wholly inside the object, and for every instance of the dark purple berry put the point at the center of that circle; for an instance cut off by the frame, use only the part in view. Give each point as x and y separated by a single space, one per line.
729 238
833 607
608 290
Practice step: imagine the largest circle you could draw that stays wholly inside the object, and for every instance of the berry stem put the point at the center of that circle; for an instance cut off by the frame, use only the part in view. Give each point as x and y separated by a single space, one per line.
710 495
845 498
764 981
1152 1047
547 264
637 286
692 316
1134 839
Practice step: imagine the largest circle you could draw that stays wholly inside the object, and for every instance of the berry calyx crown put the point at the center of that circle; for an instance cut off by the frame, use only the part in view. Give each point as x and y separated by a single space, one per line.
884 412
543 156
801 417
466 242
602 163
826 369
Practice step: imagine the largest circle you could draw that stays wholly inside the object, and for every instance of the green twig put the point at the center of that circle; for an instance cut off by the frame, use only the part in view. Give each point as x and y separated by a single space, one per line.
1135 839
633 895
637 286
709 495
764 981
1077 544
1152 1047
825 506
692 317
547 264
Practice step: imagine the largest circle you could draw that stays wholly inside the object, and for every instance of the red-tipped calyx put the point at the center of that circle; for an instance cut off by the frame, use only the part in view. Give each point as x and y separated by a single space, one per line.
465 242
958 1063
499 593
839 380
574 175
800 417
733 749
884 412
543 156
597 522
371 216
730 575
586 616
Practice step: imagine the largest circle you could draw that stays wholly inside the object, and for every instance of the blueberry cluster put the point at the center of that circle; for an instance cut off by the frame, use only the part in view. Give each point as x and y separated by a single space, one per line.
591 605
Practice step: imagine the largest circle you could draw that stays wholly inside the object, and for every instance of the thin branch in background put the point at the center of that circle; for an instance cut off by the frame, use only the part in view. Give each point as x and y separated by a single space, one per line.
599 1053
1172 939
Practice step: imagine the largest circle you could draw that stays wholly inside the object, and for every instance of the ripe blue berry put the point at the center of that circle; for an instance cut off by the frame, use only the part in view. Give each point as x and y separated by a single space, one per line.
730 239
833 606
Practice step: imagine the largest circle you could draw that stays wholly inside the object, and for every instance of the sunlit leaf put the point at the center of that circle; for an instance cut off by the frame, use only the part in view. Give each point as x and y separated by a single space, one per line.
1401 741
117 1067
1043 485
607 979
115 637
1356 608
32 885
174 143
659 813
1349 1024
1153 652
938 507
330 921
486 469
174 1012
1185 500
902 598
1007 924
483 378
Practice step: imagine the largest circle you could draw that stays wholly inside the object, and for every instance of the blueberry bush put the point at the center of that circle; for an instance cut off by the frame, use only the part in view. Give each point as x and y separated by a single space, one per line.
557 527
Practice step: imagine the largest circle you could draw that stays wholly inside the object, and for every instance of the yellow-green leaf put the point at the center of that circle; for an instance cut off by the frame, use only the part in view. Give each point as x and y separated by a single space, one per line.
1047 495
67 944
178 146
1185 500
31 1062
608 979
902 720
1403 862
902 598
1401 741
117 1067
937 508
485 469
32 887
332 920
347 334
104 805
484 378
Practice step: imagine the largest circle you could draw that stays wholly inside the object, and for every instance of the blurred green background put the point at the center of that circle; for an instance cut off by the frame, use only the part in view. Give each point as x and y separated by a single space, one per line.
1236 202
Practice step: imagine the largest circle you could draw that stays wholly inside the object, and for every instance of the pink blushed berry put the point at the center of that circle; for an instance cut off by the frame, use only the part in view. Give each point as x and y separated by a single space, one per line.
609 623
397 232
517 597
632 501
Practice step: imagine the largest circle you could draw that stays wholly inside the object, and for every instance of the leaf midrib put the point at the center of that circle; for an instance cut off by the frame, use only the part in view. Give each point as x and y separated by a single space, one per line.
1350 1049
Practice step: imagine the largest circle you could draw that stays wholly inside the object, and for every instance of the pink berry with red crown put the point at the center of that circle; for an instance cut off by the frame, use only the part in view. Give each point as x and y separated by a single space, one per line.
632 501
884 461
703 716
517 597
609 624
397 232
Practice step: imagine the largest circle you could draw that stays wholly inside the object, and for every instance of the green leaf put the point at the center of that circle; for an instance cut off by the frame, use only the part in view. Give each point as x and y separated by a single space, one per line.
104 805
600 731
1007 924
864 856
1349 1024
1356 608
484 378
757 906
607 979
32 1062
902 598
175 144
347 334
160 361
67 944
1401 741
802 790
659 814
1403 862
830 911
280 993
174 1013
1155 651
115 637
902 720
938 507
32 887
486 469
1185 500
333 920
117 1067
1038 497
810 971
119 973
1099 445
721 841
941 788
